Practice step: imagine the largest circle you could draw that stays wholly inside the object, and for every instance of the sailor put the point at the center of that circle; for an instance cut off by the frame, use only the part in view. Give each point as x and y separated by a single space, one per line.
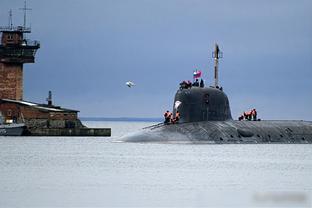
245 116
177 117
167 117
202 83
183 85
189 84
241 117
254 114
170 118
249 113
196 83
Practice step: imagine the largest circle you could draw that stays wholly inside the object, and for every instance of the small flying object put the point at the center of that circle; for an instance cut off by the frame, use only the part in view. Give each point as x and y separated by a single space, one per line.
130 84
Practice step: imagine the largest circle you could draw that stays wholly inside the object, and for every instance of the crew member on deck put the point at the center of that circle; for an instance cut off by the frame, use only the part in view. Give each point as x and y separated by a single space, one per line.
202 83
254 114
183 85
196 83
249 115
177 117
189 84
167 117
170 117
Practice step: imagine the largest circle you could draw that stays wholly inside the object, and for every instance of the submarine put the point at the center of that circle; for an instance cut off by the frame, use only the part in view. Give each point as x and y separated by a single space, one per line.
205 117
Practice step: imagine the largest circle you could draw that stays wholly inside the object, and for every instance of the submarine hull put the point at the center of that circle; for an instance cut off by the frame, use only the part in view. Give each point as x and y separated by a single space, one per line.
206 118
226 132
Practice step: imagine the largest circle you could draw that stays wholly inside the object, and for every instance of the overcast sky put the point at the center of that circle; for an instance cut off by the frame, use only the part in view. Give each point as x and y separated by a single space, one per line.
90 48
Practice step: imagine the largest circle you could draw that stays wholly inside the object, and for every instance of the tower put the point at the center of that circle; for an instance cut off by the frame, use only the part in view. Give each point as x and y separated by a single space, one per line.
15 50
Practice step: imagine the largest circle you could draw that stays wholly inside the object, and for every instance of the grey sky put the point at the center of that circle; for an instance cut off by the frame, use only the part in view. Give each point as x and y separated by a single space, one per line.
91 48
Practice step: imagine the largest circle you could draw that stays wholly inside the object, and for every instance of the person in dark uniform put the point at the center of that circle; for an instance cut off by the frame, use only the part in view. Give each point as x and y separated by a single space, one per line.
196 83
202 83
183 85
189 84
166 115
241 117
254 114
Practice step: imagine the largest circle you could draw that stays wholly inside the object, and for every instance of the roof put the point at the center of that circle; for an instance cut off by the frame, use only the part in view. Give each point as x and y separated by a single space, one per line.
43 107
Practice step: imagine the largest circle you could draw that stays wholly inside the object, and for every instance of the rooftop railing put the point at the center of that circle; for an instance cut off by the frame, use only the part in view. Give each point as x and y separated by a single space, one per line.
28 42
23 43
17 52
15 29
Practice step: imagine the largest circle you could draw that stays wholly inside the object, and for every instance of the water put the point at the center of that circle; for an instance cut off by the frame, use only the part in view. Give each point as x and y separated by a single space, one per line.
90 172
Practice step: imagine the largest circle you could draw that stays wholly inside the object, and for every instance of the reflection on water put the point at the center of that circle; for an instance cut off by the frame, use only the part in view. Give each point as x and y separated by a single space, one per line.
77 171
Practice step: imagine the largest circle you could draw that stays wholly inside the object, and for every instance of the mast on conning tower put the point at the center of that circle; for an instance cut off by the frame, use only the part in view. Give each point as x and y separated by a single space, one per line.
216 55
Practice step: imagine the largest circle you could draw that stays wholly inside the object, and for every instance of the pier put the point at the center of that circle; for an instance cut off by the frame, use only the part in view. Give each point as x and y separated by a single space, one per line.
92 132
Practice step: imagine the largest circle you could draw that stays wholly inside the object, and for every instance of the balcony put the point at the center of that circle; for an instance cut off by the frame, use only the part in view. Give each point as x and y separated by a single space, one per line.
23 43
22 53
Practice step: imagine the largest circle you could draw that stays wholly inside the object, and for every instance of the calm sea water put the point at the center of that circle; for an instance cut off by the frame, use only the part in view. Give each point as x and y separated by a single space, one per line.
97 172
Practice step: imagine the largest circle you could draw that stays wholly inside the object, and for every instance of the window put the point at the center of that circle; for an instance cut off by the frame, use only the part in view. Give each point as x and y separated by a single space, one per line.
10 37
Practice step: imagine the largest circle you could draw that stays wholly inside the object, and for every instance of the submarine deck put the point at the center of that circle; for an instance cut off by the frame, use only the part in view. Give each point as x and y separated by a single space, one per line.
230 131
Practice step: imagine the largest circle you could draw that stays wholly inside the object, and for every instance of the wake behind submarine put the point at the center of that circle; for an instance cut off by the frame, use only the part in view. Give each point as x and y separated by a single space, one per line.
205 117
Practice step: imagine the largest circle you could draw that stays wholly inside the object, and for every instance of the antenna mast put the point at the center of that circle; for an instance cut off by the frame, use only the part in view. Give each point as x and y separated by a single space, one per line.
49 99
10 20
216 55
25 10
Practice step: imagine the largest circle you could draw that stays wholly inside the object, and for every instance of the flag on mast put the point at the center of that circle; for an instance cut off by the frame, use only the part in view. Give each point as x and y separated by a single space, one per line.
196 74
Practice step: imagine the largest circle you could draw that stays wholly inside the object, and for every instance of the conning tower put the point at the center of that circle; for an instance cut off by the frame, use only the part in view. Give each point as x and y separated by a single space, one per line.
203 104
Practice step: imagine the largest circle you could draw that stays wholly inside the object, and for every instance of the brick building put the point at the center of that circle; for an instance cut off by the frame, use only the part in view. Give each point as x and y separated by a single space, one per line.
40 119
39 115
15 51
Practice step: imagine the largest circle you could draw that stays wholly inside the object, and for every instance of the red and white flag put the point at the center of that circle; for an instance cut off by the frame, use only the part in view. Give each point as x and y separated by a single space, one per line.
196 74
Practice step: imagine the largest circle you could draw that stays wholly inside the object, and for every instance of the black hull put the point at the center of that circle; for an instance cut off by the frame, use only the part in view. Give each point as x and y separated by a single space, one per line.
227 132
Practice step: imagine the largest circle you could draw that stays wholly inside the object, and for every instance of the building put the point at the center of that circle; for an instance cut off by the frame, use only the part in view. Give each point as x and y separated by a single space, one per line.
15 51
40 119
38 115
